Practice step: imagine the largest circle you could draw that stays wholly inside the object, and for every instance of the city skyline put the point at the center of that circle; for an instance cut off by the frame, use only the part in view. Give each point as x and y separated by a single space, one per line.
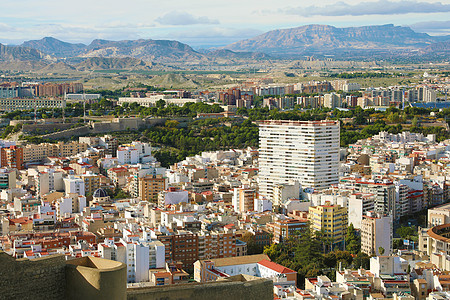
199 24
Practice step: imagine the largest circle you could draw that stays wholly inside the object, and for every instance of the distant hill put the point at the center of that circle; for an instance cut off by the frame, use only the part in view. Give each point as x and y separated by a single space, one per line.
112 63
55 47
228 54
12 53
58 67
147 50
352 43
440 47
325 38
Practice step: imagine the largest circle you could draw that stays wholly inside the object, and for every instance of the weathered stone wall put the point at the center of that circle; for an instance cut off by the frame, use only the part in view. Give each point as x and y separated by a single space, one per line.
260 289
41 128
95 278
42 278
65 134
107 127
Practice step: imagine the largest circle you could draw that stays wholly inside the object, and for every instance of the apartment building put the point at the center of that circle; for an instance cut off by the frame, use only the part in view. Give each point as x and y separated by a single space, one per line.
332 220
12 104
7 179
39 152
56 89
385 196
153 99
358 206
376 233
150 186
244 199
47 181
283 229
12 157
91 182
74 185
180 246
118 176
216 245
139 255
307 152
283 192
439 215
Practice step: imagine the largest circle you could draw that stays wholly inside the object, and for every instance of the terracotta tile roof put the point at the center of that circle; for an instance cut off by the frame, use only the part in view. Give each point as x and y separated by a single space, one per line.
239 260
276 267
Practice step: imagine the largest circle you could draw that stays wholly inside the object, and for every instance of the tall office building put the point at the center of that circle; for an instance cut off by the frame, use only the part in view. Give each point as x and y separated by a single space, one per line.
307 152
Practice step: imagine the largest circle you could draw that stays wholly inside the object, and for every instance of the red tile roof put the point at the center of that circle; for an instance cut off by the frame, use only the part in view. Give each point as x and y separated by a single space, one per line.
276 267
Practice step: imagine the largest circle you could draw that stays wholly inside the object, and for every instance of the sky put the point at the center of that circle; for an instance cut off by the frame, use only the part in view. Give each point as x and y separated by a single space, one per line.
205 23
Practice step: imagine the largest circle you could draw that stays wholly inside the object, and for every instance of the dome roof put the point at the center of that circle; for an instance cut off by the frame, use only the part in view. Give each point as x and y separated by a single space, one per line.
100 193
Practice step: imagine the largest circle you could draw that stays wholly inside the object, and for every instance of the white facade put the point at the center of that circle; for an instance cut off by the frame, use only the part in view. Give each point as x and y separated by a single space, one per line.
376 232
173 197
139 255
48 181
351 86
63 207
283 192
152 100
358 205
74 185
262 205
388 265
307 152
127 155
135 153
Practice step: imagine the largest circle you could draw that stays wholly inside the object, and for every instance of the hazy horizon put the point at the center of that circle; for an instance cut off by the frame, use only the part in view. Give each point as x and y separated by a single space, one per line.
199 23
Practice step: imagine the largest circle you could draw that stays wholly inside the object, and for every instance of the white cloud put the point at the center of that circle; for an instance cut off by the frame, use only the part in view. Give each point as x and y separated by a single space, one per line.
380 7
432 27
177 18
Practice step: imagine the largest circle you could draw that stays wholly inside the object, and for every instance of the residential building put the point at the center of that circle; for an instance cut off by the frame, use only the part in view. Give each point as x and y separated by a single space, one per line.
376 233
47 181
153 99
332 221
12 157
7 179
150 186
172 274
358 206
91 182
12 104
282 229
74 185
307 152
258 265
244 199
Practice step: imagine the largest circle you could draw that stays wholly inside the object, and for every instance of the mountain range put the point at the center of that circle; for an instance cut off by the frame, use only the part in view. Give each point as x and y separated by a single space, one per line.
144 54
312 39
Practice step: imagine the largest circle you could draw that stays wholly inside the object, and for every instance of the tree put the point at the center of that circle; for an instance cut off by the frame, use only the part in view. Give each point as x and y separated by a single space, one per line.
352 241
407 233
381 250
415 121
252 247
160 103
172 123
362 260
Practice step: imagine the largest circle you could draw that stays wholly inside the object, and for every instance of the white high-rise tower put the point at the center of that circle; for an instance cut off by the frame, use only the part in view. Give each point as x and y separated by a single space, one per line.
307 152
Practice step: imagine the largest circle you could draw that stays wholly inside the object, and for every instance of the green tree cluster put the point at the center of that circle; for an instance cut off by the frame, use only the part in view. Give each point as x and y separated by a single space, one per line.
304 252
